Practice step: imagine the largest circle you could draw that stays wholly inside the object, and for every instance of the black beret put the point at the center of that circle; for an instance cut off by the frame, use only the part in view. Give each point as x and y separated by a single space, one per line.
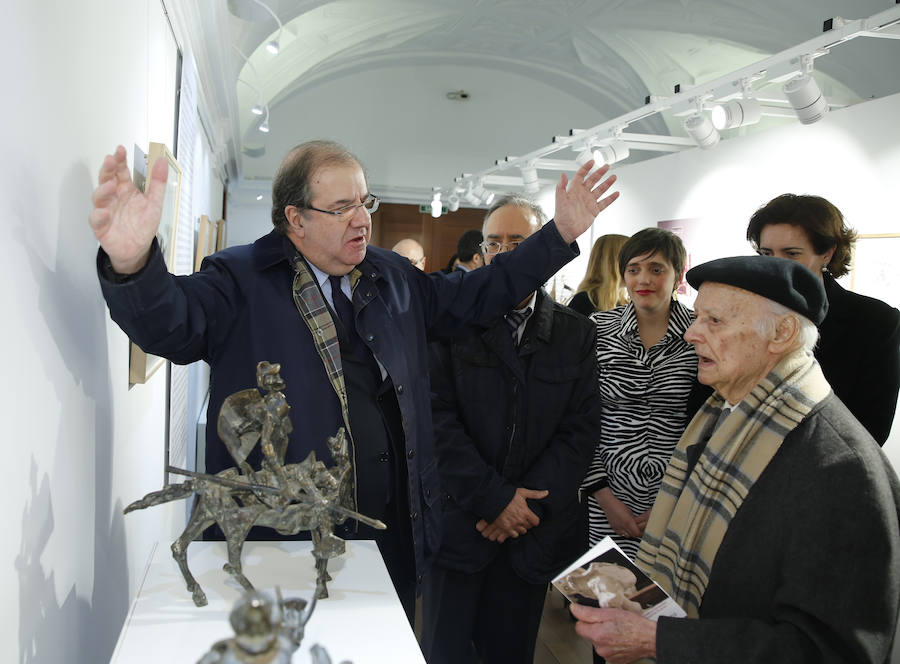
778 279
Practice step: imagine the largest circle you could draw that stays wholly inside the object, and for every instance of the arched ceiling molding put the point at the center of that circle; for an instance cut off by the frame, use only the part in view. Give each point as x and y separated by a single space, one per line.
350 29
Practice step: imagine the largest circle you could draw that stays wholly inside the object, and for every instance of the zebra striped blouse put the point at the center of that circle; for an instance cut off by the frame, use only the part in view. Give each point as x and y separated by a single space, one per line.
644 397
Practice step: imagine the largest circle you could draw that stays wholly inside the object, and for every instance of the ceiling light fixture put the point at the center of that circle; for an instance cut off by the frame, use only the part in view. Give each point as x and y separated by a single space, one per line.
482 195
264 125
274 45
436 207
453 202
612 152
736 113
530 180
699 127
805 97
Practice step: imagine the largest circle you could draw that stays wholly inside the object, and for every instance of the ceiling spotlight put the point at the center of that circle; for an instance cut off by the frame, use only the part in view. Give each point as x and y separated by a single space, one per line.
453 202
257 109
701 130
259 197
586 154
530 180
436 207
806 99
273 46
484 196
736 113
612 152
264 126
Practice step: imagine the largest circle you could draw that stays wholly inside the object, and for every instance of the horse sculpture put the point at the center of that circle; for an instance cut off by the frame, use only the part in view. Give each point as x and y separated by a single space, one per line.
287 497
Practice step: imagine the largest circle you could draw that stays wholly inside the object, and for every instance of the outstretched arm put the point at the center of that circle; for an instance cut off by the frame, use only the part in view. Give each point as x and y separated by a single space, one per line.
579 202
124 219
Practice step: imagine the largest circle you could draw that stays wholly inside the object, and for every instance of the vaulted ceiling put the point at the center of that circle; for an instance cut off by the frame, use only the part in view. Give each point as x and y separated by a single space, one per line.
375 74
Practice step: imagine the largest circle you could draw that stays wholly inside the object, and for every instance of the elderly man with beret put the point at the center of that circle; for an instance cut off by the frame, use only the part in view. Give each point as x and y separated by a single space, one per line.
776 527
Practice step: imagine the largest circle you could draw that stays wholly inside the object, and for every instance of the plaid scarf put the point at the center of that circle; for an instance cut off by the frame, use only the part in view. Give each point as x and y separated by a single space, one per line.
312 307
691 514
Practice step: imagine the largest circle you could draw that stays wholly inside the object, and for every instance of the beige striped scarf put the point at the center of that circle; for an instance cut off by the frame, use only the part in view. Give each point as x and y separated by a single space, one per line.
691 514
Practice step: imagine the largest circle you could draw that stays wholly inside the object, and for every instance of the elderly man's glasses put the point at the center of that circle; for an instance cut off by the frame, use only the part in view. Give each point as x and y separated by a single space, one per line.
496 247
370 203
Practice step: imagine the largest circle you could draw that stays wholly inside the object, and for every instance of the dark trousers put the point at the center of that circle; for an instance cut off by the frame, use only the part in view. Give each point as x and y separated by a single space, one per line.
493 615
396 548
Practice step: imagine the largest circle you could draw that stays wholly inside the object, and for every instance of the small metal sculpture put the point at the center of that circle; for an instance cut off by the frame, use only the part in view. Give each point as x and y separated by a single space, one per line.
287 497
265 632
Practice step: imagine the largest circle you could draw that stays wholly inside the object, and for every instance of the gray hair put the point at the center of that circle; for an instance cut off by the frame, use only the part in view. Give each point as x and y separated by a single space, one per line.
809 333
519 201
291 185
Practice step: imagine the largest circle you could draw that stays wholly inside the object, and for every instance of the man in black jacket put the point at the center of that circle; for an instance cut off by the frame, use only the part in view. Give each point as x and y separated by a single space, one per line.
516 418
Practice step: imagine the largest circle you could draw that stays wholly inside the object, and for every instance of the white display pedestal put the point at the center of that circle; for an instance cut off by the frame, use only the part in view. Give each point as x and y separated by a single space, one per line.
361 621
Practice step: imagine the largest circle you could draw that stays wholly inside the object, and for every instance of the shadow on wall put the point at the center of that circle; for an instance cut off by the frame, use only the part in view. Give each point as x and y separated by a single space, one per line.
74 313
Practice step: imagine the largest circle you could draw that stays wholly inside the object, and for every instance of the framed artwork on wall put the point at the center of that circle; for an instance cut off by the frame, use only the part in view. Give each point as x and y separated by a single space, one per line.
141 365
206 240
220 235
168 225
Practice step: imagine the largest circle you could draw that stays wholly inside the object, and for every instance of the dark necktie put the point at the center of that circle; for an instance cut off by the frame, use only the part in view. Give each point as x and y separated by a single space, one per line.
344 310
514 319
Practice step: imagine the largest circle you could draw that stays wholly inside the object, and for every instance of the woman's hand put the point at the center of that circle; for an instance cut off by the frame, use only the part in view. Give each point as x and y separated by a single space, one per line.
617 513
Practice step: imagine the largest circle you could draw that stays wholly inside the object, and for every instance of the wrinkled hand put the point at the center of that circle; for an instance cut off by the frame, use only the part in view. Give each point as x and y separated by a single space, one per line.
124 219
620 518
578 204
515 519
618 636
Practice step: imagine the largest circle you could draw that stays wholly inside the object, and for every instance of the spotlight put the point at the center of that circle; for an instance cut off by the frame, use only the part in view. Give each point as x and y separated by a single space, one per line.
612 152
436 207
484 196
259 197
736 113
257 109
530 180
273 46
701 130
453 202
264 125
806 99
586 154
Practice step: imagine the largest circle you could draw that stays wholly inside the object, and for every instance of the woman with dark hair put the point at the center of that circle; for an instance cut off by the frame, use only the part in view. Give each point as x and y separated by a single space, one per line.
646 372
859 340
602 287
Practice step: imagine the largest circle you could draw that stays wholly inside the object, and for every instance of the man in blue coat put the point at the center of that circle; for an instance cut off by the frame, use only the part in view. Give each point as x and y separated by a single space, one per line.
516 416
347 322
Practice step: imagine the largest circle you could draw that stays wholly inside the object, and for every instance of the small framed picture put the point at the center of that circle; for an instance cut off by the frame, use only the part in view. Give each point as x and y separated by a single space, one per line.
141 365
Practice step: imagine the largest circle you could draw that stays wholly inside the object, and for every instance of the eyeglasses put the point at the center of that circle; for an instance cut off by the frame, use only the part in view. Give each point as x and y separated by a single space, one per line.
496 247
370 203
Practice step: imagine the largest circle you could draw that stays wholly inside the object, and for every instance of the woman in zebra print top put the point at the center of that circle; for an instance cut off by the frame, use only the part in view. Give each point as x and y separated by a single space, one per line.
646 371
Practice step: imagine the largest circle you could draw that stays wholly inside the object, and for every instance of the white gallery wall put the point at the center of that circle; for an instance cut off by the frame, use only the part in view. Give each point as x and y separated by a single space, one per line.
78 444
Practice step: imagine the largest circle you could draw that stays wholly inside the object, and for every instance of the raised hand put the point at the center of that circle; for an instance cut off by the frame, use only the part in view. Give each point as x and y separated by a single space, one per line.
578 203
124 219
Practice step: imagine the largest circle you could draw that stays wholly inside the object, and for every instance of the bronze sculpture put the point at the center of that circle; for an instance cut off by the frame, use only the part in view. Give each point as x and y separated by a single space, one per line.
287 497
265 632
